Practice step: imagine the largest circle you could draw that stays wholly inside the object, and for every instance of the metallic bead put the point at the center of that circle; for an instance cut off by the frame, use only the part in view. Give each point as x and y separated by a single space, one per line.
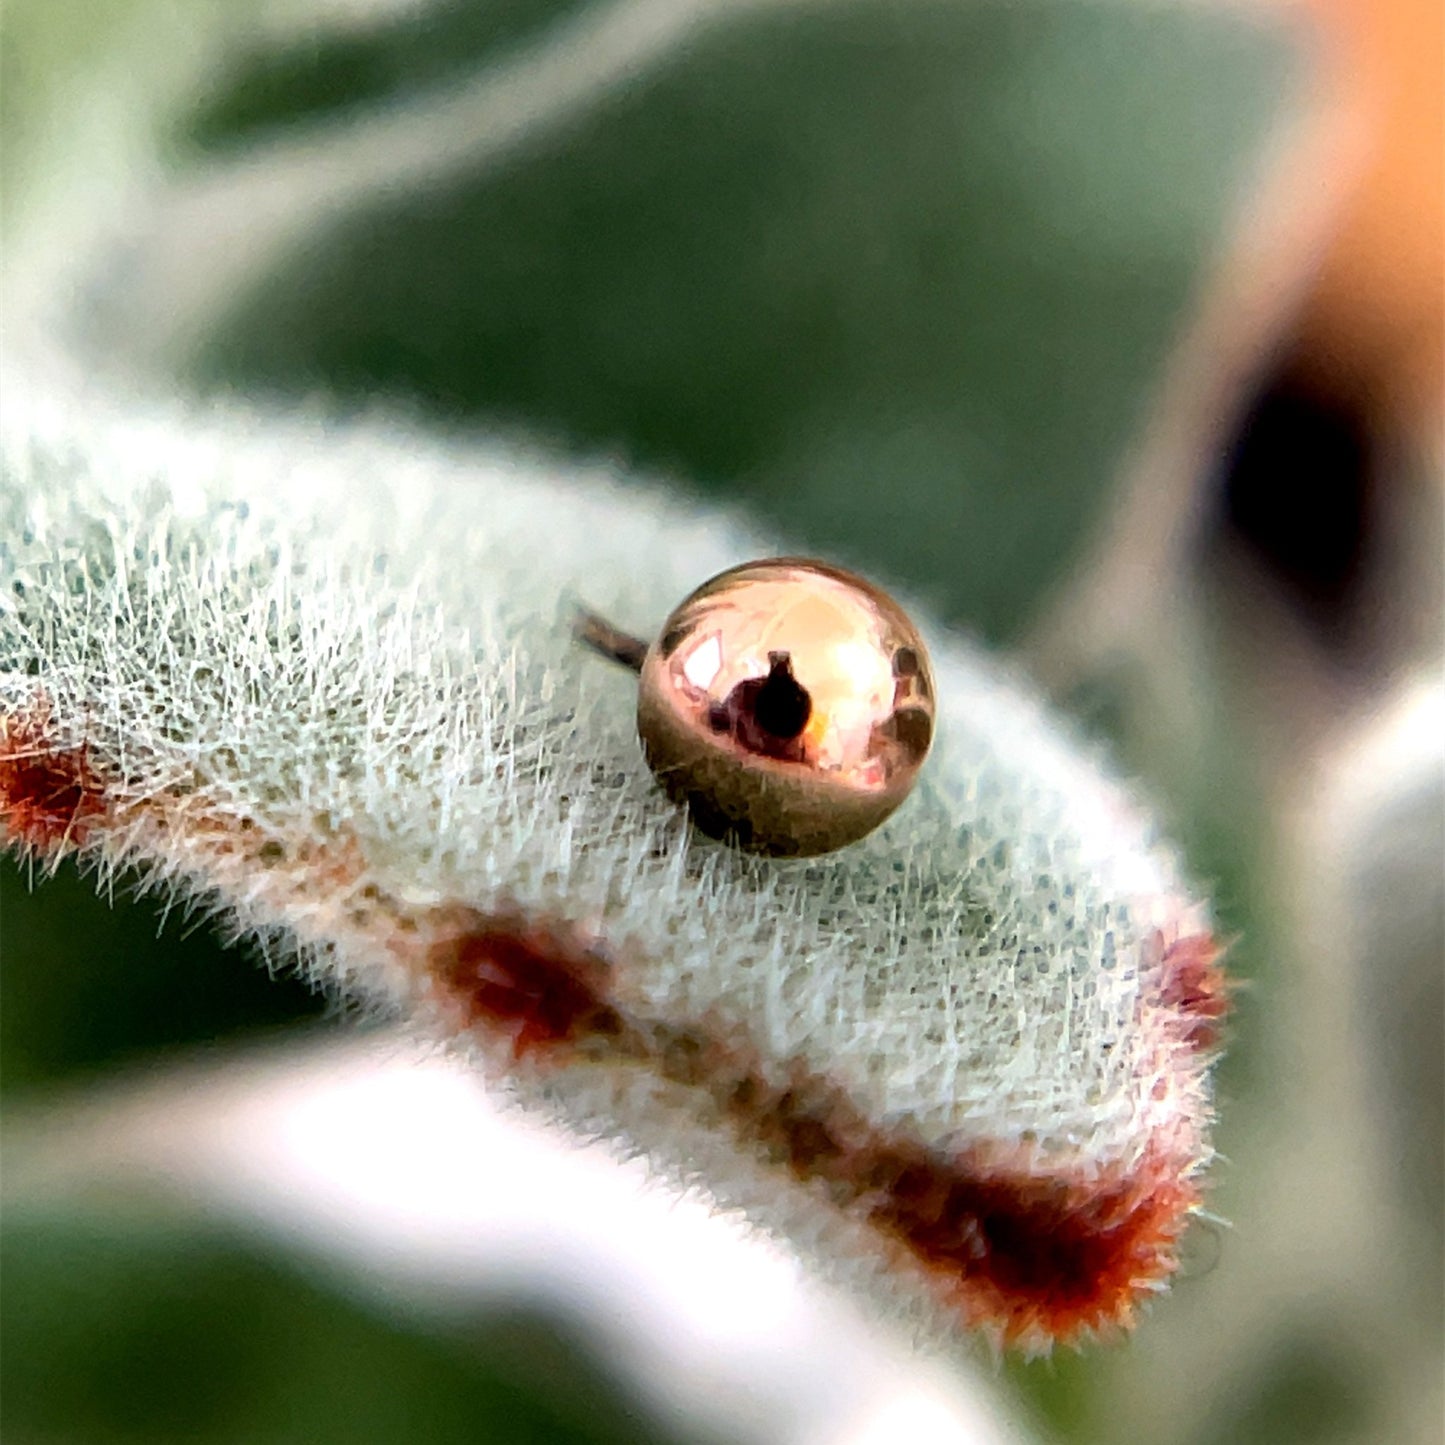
788 703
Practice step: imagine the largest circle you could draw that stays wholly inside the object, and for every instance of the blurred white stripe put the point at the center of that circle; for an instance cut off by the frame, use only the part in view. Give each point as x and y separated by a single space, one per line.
401 1170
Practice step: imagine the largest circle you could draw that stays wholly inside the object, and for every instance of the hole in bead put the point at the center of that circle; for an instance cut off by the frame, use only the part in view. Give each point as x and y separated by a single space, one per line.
781 706
767 714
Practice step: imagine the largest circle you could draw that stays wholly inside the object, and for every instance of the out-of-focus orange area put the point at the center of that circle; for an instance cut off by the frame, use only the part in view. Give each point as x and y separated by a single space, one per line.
1374 327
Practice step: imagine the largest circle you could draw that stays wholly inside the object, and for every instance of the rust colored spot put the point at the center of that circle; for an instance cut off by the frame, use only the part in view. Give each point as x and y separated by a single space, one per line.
1039 1258
1035 1256
1195 986
526 983
49 792
1042 1258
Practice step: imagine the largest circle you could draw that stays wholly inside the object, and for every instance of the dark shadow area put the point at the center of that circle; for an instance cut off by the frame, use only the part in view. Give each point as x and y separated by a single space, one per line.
1300 492
84 985
140 1330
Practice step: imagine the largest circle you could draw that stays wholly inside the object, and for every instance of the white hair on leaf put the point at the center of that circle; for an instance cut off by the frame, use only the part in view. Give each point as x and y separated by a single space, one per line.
323 677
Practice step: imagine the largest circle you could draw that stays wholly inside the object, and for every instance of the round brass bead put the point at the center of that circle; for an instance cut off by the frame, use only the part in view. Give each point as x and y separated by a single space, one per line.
789 704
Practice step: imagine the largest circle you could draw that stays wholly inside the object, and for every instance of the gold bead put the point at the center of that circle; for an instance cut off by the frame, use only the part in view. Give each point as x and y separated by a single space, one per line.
789 704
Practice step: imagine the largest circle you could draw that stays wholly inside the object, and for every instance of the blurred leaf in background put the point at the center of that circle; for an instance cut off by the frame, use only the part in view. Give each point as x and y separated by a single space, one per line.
901 277
91 983
141 1326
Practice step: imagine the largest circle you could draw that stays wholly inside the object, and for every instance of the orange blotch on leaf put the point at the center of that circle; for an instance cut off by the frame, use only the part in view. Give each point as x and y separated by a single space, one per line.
527 984
49 790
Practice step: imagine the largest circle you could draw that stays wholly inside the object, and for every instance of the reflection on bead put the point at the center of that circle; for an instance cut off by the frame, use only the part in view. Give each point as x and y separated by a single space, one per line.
789 704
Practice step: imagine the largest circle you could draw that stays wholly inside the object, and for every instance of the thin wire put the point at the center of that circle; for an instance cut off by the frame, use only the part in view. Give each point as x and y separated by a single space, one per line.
602 637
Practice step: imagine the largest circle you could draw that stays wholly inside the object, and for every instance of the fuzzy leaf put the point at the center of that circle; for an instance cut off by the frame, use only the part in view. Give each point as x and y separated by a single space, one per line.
324 677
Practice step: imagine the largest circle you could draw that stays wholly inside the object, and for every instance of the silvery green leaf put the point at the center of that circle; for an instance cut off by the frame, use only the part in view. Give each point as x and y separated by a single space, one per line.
323 677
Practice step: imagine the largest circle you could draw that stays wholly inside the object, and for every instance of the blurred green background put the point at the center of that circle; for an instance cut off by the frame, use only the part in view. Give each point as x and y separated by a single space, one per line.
904 279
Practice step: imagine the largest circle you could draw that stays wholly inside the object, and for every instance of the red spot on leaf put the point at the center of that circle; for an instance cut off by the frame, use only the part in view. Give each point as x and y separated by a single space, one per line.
1038 1257
1034 1253
526 983
1041 1258
49 790
1195 986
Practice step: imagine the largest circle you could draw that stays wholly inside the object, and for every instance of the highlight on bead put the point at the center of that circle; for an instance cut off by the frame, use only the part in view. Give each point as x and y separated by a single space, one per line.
788 703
